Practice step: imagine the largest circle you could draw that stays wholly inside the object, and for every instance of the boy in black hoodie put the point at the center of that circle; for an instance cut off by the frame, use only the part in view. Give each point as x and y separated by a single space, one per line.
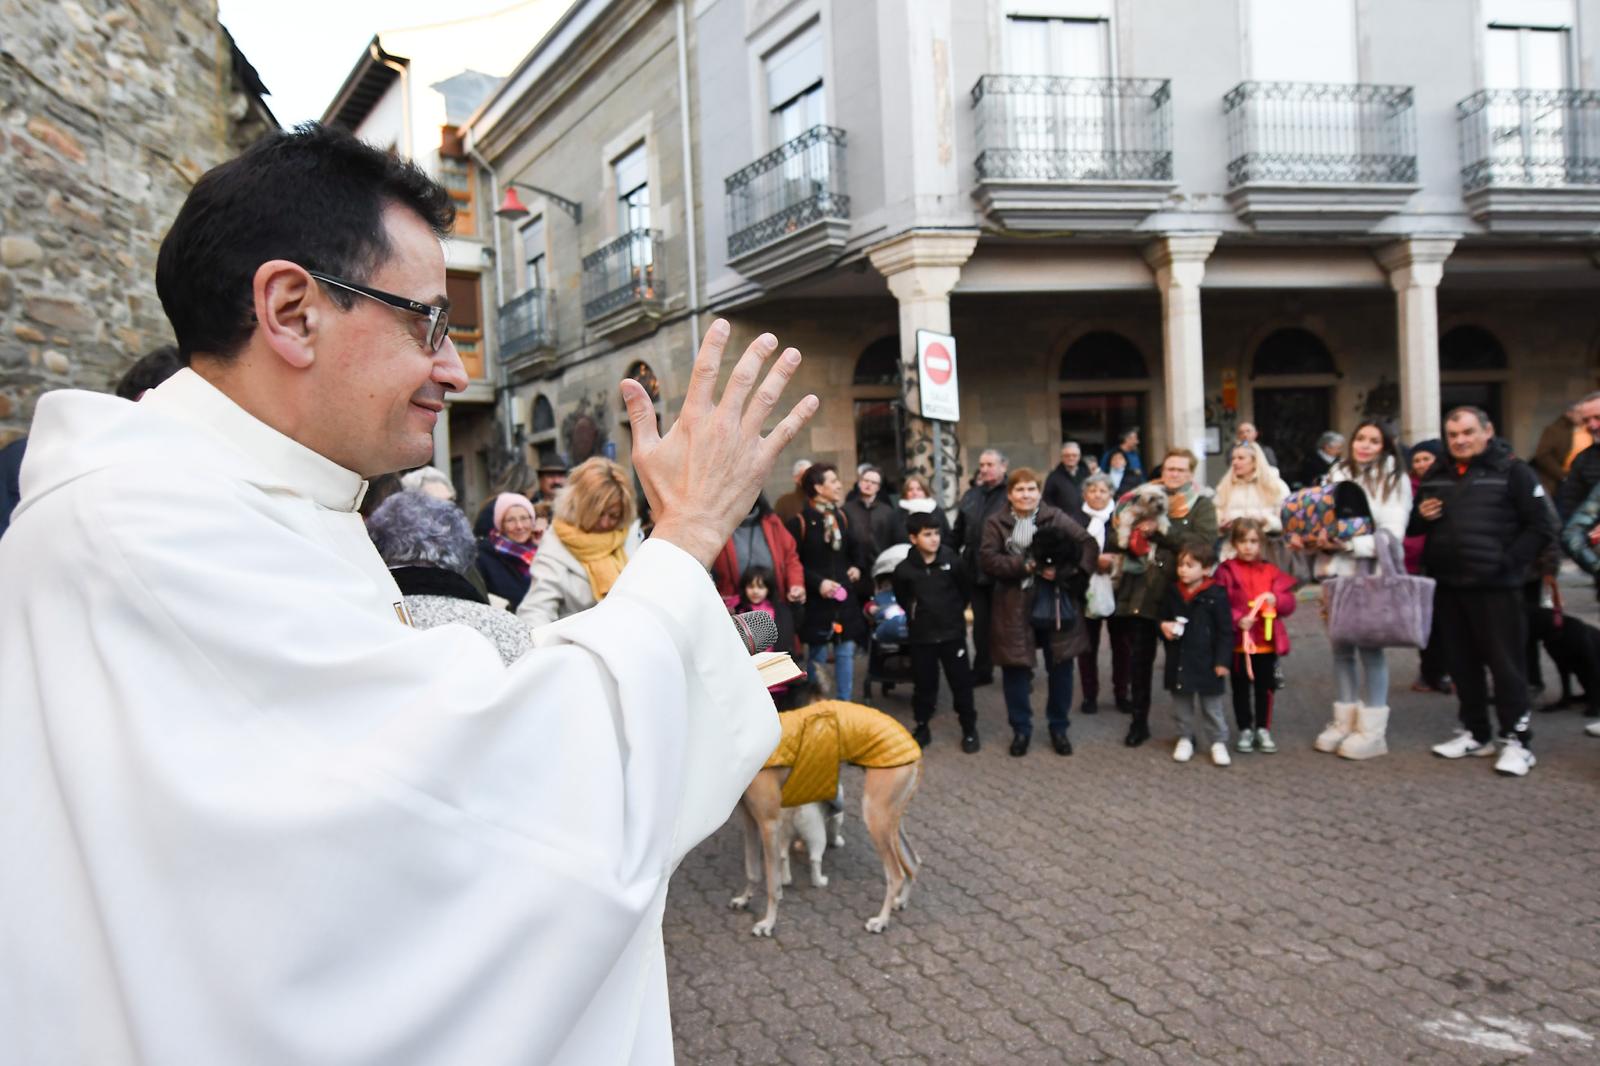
935 589
1198 626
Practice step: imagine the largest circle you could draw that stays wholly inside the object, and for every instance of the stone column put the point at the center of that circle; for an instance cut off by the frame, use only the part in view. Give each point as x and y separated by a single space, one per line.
1179 262
441 443
922 266
1414 267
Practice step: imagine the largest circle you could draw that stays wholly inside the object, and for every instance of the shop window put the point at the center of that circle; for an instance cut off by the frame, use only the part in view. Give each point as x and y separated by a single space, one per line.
1102 355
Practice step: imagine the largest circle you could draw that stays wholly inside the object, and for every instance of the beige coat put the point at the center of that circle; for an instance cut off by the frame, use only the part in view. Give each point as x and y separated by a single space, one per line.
559 584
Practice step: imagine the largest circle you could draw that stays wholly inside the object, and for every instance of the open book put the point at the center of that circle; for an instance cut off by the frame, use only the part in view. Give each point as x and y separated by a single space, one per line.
776 667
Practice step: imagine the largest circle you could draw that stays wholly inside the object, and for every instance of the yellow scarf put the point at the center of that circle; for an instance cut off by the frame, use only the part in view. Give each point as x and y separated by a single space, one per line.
600 553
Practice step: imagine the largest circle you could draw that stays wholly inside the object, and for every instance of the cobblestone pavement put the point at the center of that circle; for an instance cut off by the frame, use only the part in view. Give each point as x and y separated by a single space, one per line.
1116 906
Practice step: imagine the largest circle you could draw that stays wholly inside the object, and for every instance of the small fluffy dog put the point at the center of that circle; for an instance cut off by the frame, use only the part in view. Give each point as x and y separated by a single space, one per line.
804 770
1147 501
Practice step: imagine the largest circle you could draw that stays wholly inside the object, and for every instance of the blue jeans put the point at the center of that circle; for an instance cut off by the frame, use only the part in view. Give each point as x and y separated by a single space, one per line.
844 665
1017 683
1347 677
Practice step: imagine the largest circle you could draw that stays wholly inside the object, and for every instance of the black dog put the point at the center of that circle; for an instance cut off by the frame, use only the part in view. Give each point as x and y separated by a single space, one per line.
1574 646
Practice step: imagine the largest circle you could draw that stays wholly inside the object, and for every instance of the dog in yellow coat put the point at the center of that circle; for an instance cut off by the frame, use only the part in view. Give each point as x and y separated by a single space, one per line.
804 769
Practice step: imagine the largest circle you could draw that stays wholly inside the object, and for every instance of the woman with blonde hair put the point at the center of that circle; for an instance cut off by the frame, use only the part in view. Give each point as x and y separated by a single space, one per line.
587 546
1252 488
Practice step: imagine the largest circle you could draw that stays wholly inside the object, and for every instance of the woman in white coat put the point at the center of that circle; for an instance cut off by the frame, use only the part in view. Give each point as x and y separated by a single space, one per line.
1252 488
586 547
1361 675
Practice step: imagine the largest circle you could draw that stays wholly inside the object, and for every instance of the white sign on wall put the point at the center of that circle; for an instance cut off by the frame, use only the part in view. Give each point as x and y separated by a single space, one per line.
936 376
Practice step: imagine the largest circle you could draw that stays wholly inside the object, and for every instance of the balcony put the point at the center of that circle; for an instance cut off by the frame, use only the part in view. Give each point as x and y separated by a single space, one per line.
1531 159
1072 153
526 336
622 285
788 213
1308 156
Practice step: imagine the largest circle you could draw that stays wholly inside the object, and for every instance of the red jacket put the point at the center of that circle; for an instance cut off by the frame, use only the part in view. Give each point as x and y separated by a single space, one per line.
1244 582
785 561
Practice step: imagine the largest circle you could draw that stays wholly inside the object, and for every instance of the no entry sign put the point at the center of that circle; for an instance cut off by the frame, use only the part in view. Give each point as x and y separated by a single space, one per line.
936 376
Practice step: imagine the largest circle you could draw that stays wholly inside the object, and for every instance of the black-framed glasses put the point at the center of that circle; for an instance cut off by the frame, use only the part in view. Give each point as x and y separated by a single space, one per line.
438 317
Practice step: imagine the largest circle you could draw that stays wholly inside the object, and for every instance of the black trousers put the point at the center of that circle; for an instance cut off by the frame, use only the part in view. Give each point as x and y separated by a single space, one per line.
925 662
1432 664
982 607
1262 665
1486 628
1138 636
1089 662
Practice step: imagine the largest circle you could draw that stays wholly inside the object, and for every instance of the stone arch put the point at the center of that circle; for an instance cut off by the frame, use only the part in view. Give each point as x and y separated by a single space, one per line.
879 363
1100 355
1291 351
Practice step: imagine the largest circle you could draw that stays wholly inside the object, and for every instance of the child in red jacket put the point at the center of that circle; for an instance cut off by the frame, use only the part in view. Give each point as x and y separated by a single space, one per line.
1261 596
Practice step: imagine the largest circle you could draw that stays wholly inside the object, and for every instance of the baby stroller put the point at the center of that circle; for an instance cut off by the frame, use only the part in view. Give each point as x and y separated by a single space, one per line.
888 654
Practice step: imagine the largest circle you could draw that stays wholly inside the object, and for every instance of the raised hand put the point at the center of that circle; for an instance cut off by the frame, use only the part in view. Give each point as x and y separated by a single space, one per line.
703 475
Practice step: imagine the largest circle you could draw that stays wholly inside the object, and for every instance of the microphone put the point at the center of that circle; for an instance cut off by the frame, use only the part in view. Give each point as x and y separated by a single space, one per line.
757 629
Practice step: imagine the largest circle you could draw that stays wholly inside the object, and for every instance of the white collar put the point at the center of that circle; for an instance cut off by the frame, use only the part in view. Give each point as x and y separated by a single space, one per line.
275 460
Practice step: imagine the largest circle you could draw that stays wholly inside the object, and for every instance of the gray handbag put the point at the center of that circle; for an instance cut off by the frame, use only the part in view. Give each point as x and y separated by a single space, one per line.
1384 607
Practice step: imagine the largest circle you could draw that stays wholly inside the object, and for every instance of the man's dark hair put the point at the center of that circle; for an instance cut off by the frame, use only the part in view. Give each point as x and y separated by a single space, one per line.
153 367
813 478
917 521
312 195
1199 550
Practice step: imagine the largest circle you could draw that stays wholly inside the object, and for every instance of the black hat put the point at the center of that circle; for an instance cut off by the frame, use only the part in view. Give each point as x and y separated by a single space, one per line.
552 466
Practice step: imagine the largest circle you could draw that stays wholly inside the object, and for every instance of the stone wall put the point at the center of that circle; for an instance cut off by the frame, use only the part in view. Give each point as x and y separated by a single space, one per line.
109 111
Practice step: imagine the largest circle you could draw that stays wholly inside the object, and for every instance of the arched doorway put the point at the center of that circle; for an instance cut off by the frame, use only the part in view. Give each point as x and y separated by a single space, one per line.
879 411
1105 390
1473 372
542 431
1292 378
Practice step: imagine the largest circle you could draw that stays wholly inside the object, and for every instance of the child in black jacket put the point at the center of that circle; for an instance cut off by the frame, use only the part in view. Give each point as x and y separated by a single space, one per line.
935 589
1198 626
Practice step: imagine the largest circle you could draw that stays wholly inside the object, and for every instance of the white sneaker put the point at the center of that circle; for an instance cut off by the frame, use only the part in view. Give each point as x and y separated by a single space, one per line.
1515 759
1220 756
1463 744
1265 743
1184 751
1593 729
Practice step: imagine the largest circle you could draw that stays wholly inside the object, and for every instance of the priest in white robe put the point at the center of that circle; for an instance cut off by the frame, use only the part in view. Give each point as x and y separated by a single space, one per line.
249 816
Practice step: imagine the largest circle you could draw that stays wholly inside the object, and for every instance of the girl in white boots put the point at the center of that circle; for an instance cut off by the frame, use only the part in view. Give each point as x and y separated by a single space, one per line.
1361 675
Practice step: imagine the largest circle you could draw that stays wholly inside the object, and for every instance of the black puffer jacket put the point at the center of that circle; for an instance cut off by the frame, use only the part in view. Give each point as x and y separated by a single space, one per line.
1206 643
1582 477
1496 520
935 596
979 504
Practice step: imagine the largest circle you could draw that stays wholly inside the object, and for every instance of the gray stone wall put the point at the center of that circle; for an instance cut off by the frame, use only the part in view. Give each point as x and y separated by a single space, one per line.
109 111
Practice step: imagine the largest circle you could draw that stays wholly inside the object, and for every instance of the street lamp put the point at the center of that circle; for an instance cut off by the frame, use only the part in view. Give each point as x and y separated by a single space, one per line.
512 208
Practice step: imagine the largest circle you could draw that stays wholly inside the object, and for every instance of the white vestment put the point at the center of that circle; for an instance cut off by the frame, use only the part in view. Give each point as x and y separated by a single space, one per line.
248 816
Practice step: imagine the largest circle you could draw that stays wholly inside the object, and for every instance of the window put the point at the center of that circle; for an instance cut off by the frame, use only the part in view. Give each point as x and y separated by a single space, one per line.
1292 351
1101 354
1098 419
1307 40
1060 47
534 274
1472 371
1076 126
457 176
879 364
879 413
466 323
632 174
794 86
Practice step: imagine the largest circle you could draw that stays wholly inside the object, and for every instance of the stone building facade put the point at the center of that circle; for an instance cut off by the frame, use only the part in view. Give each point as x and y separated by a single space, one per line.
109 111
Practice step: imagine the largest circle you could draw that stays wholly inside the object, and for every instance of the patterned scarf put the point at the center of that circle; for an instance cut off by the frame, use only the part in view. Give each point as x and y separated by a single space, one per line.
1180 500
600 553
521 555
1021 538
830 523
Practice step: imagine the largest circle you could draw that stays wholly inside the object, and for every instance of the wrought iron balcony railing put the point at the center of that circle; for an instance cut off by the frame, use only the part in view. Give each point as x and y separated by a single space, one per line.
524 325
1530 138
1312 132
797 183
1039 128
626 271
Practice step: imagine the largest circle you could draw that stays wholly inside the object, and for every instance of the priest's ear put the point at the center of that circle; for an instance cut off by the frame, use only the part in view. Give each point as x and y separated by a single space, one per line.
289 306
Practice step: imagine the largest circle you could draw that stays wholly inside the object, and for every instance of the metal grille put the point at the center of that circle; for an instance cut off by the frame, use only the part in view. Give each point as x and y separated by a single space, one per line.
797 183
1040 128
1315 132
524 323
626 271
1535 138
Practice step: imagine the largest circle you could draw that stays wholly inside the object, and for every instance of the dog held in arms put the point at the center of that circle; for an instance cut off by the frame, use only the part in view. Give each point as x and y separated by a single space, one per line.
804 769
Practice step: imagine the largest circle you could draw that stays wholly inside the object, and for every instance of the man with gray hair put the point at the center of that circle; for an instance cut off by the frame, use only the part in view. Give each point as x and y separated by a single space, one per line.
429 549
429 480
1247 433
1330 446
986 498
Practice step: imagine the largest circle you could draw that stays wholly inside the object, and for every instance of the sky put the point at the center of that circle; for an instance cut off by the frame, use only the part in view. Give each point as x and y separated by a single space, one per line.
304 49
